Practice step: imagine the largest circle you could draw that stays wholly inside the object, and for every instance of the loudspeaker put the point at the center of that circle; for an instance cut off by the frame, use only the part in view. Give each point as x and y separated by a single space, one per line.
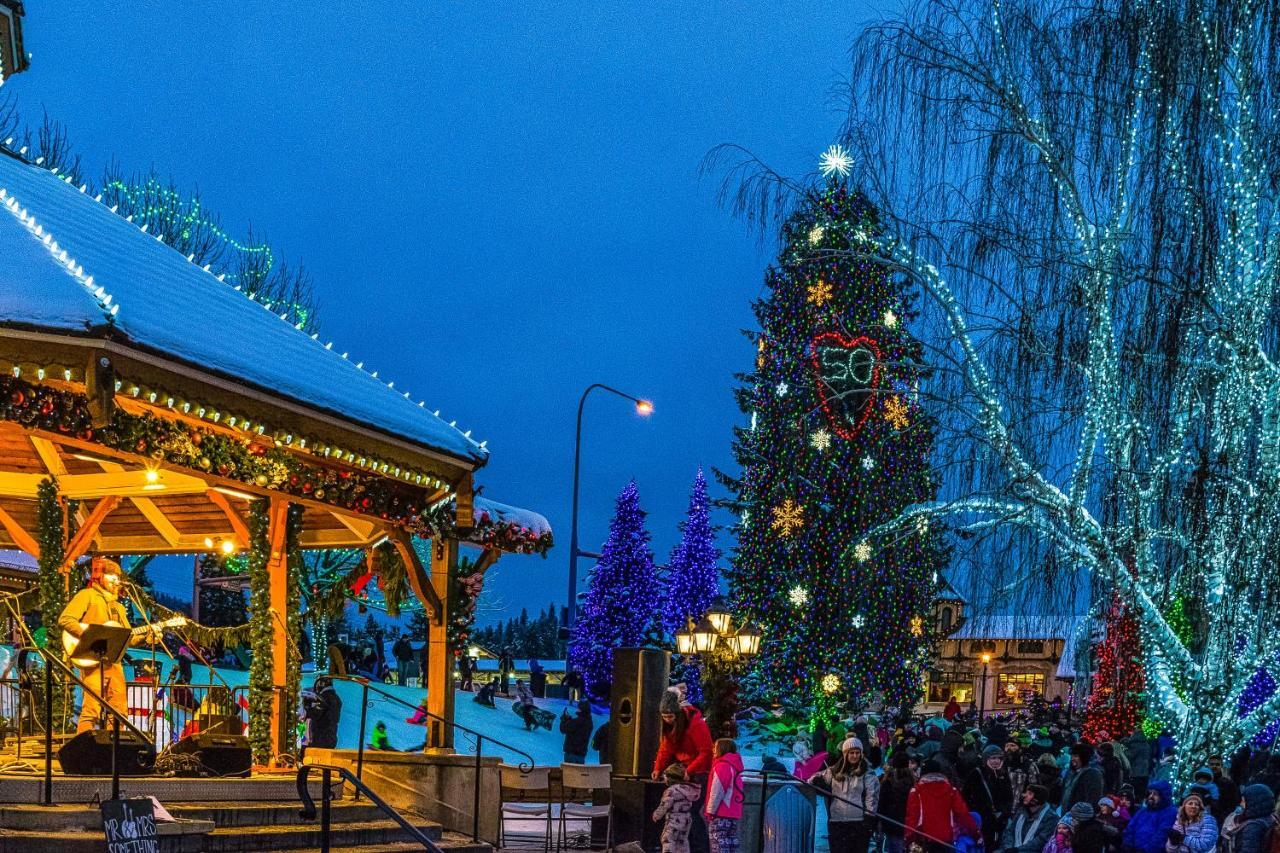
640 678
89 754
221 754
634 801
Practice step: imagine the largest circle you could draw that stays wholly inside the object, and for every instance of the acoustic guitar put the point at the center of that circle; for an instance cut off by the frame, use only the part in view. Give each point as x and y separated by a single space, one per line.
69 642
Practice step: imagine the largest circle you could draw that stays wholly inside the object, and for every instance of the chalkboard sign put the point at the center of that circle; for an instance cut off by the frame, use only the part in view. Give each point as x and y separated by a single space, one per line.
130 826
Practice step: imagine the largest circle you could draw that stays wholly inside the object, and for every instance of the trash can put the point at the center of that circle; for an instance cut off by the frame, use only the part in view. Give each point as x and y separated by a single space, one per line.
538 684
788 816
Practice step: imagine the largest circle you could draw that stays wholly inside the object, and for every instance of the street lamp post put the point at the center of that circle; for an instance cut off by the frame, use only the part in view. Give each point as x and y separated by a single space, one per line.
720 649
982 697
643 407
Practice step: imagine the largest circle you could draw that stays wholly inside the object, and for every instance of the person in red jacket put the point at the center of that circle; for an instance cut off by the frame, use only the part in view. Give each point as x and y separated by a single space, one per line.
936 812
685 738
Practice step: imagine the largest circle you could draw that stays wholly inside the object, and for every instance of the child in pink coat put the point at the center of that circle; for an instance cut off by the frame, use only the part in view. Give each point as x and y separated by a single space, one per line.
724 797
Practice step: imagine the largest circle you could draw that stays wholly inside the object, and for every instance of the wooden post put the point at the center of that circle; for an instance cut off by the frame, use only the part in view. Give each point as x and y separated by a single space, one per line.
444 561
278 571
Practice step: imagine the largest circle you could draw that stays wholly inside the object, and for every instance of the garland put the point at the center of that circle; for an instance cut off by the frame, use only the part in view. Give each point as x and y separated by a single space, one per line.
235 458
293 619
50 536
261 634
255 463
467 586
202 635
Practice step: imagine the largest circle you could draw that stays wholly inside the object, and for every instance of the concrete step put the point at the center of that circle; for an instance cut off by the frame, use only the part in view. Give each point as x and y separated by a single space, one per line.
29 788
238 813
259 839
172 838
451 843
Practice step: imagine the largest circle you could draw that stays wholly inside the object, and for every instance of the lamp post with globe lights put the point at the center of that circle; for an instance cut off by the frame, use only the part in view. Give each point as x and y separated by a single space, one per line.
723 651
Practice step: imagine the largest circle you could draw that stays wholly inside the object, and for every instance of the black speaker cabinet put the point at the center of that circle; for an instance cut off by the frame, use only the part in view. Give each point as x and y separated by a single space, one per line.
634 801
221 754
89 754
640 678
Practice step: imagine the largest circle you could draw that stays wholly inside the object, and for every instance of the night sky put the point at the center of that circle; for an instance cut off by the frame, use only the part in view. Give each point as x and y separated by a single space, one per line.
499 205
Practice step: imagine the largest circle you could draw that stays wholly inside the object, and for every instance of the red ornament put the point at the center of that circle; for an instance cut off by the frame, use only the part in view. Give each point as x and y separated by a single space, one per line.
17 398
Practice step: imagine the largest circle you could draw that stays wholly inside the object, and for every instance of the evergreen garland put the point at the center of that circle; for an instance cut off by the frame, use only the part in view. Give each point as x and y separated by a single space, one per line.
293 618
53 583
261 634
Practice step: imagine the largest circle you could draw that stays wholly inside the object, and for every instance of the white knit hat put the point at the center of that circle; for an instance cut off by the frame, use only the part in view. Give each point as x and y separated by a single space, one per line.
850 743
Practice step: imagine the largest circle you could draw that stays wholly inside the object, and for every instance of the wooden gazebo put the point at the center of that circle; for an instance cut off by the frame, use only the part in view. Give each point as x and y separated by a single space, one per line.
161 403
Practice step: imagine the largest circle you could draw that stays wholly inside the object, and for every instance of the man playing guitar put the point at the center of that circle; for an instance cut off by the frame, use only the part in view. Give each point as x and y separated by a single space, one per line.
98 604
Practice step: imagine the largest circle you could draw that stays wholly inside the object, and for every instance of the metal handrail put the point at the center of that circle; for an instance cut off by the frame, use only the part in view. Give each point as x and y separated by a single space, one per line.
308 810
525 766
764 775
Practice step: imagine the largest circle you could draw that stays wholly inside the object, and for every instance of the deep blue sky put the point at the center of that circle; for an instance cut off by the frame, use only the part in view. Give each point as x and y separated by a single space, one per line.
499 204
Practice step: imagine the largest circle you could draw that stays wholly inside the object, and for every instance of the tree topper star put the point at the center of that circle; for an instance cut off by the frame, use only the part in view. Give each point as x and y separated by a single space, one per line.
836 160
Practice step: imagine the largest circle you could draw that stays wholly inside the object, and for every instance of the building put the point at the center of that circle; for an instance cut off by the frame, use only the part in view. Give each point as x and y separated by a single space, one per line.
999 661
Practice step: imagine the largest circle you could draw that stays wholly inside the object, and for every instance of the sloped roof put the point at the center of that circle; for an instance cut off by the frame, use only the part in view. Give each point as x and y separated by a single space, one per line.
948 592
69 265
1006 626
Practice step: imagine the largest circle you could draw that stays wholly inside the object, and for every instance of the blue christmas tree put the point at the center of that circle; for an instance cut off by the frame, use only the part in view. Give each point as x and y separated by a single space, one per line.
693 579
622 598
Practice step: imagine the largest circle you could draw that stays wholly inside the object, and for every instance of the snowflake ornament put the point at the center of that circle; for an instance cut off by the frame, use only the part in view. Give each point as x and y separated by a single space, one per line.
782 388
788 517
816 233
862 552
830 683
819 293
895 412
799 596
820 440
836 160
917 626
868 463
890 319
859 620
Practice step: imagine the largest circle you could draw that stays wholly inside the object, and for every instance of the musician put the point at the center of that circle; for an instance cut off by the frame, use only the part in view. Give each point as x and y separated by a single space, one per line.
99 604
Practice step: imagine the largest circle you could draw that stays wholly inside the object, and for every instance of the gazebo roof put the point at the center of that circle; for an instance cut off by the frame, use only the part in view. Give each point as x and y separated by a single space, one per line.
70 267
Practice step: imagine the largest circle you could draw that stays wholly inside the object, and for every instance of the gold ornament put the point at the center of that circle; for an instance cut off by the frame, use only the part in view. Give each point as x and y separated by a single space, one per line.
788 517
830 683
895 412
816 234
917 626
819 293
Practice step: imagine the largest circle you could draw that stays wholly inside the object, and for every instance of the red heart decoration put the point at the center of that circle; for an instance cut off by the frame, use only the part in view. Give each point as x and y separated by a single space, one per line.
846 372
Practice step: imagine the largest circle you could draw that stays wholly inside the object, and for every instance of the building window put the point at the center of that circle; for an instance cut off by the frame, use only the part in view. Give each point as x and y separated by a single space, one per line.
946 619
1031 647
944 685
1015 688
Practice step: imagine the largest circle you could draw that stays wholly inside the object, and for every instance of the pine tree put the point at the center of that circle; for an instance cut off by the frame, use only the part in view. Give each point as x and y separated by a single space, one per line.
221 606
1115 705
622 598
837 445
693 578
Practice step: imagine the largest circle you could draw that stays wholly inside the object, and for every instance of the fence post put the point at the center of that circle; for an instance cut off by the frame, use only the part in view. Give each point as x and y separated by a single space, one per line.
364 713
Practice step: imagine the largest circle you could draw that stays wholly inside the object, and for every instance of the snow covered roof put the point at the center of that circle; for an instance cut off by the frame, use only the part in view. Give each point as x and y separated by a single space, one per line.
69 265
499 513
948 592
1018 627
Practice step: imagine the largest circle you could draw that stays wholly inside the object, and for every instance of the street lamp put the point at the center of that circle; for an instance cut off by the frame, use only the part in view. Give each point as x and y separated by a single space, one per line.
982 697
705 637
644 408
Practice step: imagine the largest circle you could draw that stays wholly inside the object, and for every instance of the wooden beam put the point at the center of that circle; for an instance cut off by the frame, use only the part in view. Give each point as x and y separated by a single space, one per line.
419 578
278 572
79 544
359 526
116 483
440 693
21 538
336 539
49 457
487 558
238 525
148 508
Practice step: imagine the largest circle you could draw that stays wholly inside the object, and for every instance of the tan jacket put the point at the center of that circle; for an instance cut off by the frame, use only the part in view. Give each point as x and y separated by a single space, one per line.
91 606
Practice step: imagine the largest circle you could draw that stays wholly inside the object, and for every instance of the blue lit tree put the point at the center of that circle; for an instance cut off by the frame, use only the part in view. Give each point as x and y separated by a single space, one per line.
621 604
693 578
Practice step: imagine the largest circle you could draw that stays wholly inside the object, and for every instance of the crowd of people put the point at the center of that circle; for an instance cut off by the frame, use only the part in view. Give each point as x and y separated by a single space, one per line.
1022 784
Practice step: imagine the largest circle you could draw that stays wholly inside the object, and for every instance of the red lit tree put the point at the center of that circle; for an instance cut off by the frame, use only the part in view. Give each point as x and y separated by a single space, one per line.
1115 704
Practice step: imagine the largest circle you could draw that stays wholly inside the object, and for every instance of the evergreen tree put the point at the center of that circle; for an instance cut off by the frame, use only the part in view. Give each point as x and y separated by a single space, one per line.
221 605
622 598
837 445
1115 704
693 578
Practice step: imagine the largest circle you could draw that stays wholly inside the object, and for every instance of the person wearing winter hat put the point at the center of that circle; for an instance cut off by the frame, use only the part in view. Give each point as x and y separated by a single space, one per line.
677 807
1034 823
1194 829
936 812
895 787
1084 781
851 811
1088 834
988 792
685 738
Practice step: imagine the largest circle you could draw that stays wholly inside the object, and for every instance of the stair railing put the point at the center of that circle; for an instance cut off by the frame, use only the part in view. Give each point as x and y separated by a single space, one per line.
308 811
525 765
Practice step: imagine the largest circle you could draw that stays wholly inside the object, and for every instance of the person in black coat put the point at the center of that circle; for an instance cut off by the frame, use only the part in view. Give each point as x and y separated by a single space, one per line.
988 792
895 785
1084 780
577 733
324 712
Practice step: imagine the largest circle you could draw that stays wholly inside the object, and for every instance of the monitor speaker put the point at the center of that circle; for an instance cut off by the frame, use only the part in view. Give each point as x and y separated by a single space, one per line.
221 754
89 754
640 678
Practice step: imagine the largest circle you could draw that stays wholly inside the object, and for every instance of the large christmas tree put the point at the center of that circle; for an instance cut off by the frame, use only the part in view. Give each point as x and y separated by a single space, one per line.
837 444
693 579
622 598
